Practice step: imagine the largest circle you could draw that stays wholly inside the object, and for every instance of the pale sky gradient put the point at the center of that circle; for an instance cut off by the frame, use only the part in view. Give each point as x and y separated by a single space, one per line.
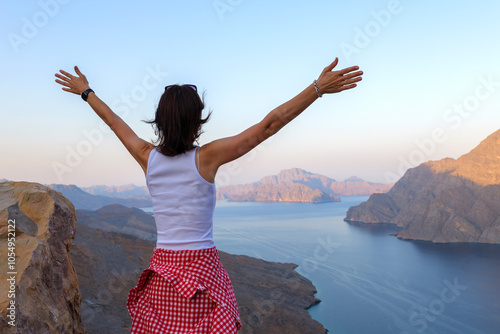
249 57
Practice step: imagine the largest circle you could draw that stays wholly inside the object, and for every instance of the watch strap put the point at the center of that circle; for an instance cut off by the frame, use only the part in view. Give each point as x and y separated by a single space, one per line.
86 93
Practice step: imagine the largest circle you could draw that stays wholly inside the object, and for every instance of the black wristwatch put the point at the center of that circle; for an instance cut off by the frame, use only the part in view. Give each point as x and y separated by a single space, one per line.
85 94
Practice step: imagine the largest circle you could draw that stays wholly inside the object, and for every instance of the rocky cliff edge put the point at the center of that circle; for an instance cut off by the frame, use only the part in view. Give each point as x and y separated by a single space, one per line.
47 295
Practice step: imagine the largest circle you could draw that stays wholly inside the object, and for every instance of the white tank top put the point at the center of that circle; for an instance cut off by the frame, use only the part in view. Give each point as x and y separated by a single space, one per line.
183 201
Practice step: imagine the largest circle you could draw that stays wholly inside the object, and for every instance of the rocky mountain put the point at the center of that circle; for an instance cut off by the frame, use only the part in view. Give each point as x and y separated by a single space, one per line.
83 200
126 191
3 180
47 295
121 219
443 201
356 186
298 185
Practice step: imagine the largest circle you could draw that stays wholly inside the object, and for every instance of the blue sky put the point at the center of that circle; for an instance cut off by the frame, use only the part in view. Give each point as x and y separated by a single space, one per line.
431 84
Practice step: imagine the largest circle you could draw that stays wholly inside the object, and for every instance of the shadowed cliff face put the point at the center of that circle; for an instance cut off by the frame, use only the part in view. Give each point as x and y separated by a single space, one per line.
47 292
443 201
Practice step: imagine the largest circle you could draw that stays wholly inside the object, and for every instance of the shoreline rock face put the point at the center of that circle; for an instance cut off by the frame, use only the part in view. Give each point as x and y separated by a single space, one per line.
443 201
272 297
47 293
298 185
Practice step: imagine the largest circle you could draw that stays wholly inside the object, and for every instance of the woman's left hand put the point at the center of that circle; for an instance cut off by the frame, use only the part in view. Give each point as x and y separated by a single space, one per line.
75 85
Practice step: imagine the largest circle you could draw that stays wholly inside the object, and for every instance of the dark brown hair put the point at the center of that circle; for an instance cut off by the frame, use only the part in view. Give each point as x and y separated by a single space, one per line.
178 120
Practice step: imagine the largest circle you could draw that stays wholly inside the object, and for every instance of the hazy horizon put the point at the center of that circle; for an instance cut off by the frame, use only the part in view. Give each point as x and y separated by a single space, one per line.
219 185
430 89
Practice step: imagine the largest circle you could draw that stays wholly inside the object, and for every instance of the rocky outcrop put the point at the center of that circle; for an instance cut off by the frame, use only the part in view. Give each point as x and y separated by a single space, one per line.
272 297
293 192
298 185
443 201
47 295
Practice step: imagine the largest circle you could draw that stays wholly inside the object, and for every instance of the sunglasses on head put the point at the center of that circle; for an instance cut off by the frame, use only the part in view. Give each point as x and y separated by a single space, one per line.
190 86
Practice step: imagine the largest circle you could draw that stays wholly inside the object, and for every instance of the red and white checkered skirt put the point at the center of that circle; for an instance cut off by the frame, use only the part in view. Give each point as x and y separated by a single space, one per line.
184 291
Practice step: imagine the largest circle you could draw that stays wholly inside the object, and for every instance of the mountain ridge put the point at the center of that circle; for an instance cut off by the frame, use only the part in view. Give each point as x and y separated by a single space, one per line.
120 219
449 200
290 185
124 191
84 200
299 185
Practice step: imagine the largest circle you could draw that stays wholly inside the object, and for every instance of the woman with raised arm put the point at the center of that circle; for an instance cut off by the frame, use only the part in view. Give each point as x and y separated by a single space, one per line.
186 289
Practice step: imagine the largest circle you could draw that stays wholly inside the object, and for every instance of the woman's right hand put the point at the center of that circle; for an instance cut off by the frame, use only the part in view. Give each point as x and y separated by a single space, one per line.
331 81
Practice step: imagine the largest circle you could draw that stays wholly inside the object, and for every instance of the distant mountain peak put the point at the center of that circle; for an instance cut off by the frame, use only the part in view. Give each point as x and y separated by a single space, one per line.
481 164
354 179
296 184
124 191
295 170
294 173
65 188
85 200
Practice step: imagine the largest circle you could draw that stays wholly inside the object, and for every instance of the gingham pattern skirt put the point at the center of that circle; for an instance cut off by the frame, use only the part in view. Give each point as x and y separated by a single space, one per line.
184 291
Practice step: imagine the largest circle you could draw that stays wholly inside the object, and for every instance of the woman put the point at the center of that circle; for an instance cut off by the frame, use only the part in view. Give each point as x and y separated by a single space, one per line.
186 289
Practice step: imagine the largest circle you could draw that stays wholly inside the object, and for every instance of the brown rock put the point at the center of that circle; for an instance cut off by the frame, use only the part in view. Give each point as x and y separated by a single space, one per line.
294 192
443 201
47 295
272 297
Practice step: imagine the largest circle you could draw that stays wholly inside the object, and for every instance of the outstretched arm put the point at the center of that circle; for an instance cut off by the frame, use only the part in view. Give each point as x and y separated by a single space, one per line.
328 82
224 150
135 145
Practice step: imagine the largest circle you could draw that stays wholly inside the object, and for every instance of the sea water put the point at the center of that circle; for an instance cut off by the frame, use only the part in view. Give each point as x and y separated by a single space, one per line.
368 280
